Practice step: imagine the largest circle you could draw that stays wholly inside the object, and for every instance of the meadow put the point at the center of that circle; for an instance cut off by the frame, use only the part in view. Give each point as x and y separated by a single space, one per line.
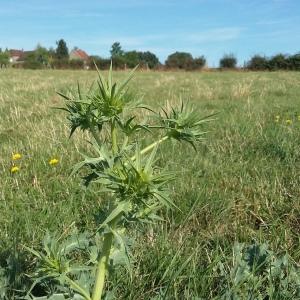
238 195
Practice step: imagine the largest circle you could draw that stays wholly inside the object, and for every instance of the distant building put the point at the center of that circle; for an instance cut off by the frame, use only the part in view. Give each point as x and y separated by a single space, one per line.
18 56
79 54
14 55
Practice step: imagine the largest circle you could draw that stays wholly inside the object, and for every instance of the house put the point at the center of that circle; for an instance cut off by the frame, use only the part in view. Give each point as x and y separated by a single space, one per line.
14 55
18 56
79 54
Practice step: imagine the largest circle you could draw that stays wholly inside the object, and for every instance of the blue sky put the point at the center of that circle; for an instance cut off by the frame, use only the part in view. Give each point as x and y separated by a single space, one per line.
201 27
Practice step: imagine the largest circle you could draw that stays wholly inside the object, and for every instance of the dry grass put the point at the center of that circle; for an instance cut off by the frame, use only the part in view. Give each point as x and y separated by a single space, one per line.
242 184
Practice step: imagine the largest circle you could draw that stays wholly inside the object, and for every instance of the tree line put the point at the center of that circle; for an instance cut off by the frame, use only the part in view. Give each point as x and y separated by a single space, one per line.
58 58
274 63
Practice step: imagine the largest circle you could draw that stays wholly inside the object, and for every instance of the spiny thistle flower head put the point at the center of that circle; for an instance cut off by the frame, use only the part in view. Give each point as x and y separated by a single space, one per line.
184 123
99 105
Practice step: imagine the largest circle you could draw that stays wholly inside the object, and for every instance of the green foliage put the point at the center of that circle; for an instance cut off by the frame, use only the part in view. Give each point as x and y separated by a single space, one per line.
258 63
99 62
180 60
97 107
37 59
294 62
131 58
148 59
60 63
278 62
57 269
257 273
275 63
42 55
118 62
126 175
31 62
183 60
62 51
199 63
13 281
116 50
242 184
183 124
228 61
4 58
76 64
143 59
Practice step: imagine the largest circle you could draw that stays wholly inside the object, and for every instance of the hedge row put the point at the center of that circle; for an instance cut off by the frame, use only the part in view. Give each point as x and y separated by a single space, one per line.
277 62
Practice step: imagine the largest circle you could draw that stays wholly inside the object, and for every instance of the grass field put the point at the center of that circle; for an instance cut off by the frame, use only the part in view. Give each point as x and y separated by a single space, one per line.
242 185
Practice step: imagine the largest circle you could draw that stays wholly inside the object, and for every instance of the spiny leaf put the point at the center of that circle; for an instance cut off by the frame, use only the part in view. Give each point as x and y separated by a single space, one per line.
121 207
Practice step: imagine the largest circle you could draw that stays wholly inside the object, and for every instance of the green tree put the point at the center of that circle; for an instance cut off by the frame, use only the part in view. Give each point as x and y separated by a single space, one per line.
4 58
228 61
101 63
37 59
294 62
42 55
258 62
31 62
62 51
116 50
131 58
148 58
179 60
279 62
198 63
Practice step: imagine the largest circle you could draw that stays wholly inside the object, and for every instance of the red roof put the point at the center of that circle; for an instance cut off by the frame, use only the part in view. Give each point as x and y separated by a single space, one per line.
80 54
15 52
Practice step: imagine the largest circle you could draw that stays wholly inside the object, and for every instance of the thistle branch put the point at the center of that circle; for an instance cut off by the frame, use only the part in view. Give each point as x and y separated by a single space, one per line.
95 135
150 147
76 287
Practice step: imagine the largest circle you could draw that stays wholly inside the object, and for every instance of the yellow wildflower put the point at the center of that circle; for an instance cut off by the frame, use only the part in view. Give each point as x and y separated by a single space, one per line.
16 156
15 169
298 118
53 161
288 122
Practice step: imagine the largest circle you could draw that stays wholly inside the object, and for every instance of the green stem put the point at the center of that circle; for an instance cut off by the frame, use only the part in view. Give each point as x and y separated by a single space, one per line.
114 144
102 267
76 287
95 135
151 146
125 142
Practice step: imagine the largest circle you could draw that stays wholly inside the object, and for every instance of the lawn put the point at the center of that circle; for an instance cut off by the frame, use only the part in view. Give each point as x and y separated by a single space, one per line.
241 186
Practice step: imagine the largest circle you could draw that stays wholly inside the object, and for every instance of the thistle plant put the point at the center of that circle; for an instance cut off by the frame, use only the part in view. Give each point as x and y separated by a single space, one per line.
124 170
